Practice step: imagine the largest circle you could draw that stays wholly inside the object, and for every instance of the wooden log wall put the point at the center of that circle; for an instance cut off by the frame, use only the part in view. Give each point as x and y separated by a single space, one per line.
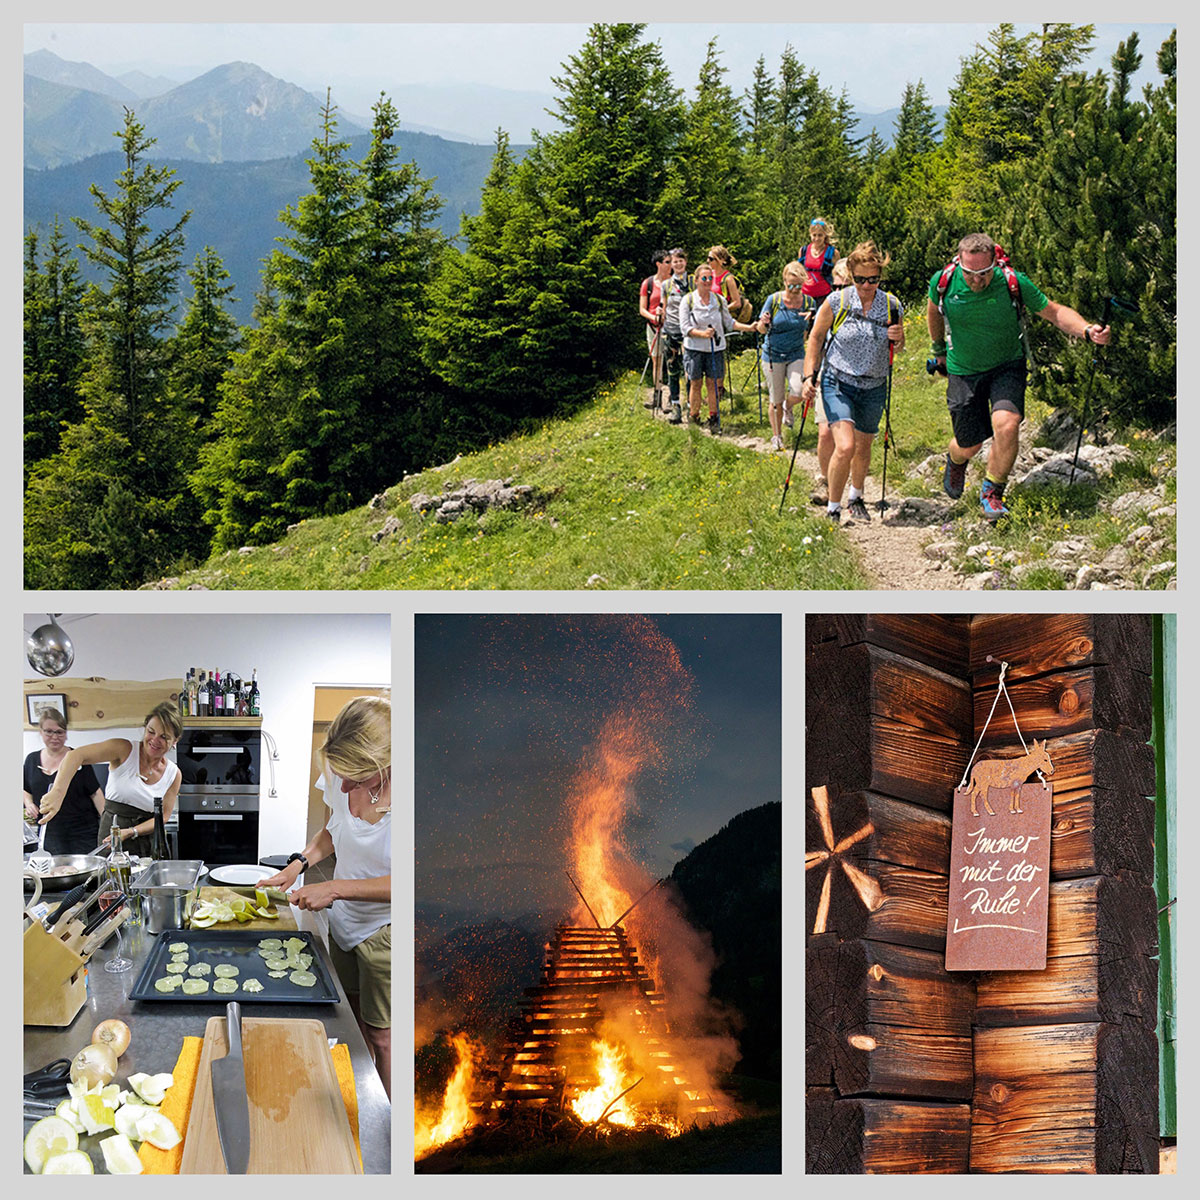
910 1068
889 1063
1065 1060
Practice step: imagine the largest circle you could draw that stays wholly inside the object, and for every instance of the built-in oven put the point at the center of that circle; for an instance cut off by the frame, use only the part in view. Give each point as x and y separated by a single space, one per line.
218 829
218 794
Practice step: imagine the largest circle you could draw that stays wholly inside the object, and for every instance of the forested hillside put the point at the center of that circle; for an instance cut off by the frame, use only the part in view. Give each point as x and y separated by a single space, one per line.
158 428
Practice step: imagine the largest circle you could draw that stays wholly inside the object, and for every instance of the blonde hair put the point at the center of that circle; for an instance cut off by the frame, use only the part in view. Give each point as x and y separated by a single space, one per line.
725 257
168 717
359 742
50 714
866 252
794 269
827 225
841 272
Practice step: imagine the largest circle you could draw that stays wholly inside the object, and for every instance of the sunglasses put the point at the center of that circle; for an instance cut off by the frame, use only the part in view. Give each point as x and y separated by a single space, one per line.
866 278
980 271
794 287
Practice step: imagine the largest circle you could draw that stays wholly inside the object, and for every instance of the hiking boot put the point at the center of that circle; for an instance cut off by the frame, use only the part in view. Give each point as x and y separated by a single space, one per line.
652 402
834 515
954 478
789 416
776 443
714 424
991 500
820 492
676 417
857 511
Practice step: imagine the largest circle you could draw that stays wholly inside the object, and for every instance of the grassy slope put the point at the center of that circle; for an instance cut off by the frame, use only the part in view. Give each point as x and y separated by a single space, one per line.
637 503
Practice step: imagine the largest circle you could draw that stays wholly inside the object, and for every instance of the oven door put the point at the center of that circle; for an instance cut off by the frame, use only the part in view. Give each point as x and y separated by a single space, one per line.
220 759
219 837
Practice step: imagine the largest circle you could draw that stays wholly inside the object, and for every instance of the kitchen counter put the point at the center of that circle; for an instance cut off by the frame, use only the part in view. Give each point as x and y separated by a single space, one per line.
158 1030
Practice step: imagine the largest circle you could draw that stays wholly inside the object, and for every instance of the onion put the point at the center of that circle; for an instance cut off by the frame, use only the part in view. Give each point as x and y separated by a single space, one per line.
114 1034
94 1064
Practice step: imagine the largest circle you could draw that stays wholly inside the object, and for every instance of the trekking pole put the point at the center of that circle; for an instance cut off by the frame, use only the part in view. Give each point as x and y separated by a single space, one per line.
1087 395
758 373
649 359
712 371
887 430
795 450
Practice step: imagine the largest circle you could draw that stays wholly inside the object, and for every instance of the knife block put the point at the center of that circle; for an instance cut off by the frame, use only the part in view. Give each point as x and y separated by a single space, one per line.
55 979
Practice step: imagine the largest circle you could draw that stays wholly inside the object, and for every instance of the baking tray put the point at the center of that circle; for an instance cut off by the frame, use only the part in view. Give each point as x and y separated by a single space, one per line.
240 949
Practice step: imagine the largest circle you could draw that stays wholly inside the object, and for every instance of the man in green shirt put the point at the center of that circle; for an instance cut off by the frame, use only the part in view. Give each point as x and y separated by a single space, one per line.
977 340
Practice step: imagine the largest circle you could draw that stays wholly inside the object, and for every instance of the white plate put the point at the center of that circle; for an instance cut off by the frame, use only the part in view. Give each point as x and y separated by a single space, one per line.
239 875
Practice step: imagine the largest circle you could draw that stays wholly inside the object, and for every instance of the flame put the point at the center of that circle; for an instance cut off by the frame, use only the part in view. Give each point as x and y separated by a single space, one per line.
455 1116
610 1067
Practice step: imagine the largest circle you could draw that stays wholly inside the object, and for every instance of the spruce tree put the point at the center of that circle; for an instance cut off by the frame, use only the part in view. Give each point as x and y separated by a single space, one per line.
916 123
205 340
53 343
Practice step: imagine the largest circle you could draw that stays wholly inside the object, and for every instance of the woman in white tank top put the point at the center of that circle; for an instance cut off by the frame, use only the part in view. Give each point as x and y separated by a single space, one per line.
356 779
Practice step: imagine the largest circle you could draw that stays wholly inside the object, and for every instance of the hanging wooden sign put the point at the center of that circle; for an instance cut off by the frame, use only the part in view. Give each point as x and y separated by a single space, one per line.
1000 866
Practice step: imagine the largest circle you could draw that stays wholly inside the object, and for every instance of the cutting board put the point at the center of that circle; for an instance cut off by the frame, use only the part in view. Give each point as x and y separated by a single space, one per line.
298 1123
286 920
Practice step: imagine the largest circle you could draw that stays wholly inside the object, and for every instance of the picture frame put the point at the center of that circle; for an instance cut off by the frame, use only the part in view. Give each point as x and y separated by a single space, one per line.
37 704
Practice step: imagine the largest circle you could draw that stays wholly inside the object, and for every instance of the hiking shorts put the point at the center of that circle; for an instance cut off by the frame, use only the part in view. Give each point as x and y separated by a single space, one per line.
861 406
781 375
973 398
652 346
699 363
366 974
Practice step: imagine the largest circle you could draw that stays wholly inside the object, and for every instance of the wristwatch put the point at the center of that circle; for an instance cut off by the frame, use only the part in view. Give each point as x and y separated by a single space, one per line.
297 857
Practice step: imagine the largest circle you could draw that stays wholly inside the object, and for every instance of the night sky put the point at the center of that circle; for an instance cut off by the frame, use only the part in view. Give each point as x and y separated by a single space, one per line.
506 707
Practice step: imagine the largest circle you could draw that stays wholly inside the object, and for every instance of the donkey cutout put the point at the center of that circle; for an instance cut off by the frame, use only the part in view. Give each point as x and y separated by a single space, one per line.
1007 773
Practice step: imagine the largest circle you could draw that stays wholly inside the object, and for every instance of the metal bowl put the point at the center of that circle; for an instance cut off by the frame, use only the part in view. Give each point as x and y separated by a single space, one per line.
81 867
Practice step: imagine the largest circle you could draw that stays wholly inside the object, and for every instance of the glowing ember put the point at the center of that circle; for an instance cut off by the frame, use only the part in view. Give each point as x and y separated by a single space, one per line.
610 1068
456 1115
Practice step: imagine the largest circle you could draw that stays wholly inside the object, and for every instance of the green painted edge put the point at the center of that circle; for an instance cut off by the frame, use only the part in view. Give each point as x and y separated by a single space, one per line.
1163 741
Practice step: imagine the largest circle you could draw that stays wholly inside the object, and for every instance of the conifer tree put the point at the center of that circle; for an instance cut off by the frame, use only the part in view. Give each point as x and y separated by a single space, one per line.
205 340
915 124
53 343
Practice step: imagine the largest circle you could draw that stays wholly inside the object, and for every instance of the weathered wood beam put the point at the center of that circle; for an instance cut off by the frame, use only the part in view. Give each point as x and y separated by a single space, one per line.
879 1137
1079 1097
887 1020
939 641
1043 642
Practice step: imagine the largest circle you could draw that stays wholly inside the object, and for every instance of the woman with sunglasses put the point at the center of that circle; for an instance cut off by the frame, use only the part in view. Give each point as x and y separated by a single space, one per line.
356 780
138 774
76 827
786 318
862 322
724 283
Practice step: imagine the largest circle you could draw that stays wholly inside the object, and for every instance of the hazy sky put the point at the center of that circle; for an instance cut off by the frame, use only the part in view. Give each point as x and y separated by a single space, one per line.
872 61
506 707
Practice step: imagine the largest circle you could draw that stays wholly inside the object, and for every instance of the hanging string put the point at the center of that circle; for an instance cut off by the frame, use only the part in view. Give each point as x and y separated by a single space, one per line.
1000 691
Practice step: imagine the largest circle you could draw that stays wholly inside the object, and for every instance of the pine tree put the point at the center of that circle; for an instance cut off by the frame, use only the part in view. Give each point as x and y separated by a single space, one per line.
916 123
53 343
206 338
1096 219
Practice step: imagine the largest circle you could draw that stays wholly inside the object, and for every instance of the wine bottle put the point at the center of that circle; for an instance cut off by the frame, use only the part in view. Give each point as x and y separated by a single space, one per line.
183 697
218 695
193 693
205 711
255 695
231 691
158 846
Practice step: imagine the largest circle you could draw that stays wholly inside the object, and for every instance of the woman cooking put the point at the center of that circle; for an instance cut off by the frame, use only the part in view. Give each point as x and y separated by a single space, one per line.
356 778
138 773
76 829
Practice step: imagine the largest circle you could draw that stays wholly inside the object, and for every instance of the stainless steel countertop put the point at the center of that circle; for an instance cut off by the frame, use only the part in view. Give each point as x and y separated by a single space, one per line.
158 1031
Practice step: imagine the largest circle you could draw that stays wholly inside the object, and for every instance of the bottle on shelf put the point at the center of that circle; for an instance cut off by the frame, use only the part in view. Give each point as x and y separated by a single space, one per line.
193 693
255 695
204 710
231 694
218 695
184 709
158 846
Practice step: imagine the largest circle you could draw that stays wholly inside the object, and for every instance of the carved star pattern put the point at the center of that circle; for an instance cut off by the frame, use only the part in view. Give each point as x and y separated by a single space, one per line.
867 890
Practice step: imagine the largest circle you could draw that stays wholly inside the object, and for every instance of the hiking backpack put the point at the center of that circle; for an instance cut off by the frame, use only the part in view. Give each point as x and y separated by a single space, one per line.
1010 281
826 267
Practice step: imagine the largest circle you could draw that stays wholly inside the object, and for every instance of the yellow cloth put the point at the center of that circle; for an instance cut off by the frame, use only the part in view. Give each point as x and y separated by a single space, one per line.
178 1104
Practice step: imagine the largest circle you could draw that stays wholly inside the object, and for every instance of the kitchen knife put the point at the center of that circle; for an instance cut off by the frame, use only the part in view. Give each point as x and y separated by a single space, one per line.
110 910
69 901
230 1102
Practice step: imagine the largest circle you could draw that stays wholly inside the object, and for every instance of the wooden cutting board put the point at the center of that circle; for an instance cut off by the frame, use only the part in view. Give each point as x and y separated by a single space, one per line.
298 1123
286 920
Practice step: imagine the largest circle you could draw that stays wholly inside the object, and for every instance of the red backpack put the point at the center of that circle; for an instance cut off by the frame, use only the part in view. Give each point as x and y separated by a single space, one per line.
1011 282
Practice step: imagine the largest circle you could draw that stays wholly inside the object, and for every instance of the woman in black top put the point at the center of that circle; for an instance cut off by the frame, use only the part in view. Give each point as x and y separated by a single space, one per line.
75 828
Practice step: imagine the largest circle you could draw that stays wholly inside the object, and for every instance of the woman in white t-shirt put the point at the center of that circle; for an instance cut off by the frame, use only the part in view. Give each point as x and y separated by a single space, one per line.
138 774
356 778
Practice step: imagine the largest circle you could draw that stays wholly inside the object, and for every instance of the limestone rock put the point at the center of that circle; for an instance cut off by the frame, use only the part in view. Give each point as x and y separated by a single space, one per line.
1157 572
940 551
1133 504
390 526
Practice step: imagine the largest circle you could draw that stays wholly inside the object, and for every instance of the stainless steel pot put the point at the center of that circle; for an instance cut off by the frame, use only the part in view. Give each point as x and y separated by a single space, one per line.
168 890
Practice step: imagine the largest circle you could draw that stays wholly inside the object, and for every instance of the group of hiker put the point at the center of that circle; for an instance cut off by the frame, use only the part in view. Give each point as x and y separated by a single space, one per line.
827 341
